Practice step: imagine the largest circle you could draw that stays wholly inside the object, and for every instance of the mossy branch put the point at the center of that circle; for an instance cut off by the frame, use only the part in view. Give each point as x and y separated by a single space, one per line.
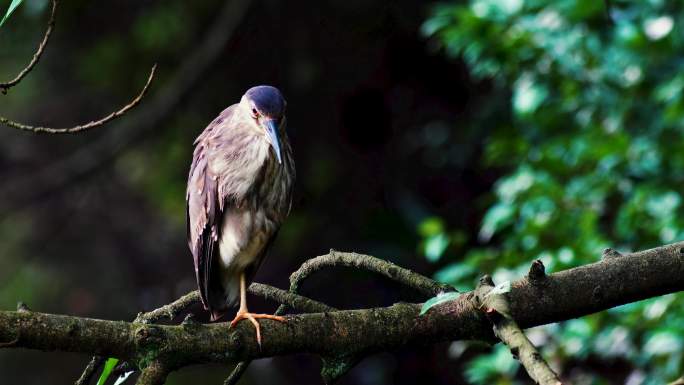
507 330
560 296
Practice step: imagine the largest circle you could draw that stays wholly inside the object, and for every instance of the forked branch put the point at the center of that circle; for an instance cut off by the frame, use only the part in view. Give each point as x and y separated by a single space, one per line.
357 333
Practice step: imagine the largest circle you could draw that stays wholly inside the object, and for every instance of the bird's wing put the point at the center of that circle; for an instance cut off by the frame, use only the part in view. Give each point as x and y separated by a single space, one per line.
205 211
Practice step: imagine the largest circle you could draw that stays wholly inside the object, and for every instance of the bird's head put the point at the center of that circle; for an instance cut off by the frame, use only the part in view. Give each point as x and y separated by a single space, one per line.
266 107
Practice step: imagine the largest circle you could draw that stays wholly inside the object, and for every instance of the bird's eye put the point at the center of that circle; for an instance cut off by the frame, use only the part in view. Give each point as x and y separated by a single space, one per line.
255 113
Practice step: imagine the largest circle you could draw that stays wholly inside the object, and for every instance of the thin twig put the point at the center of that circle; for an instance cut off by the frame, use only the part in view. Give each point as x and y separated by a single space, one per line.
237 373
90 369
169 311
292 300
679 381
87 126
82 163
508 331
385 268
36 56
9 344
421 283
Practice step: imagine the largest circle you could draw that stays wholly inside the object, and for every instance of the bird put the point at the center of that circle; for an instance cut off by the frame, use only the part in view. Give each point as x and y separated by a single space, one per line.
239 193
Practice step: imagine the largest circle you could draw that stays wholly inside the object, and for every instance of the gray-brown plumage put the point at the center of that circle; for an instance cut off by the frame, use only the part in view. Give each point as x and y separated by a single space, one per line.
239 193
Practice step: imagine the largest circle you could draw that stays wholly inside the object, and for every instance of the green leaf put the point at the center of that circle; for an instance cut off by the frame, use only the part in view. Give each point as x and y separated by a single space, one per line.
435 245
108 367
13 5
440 298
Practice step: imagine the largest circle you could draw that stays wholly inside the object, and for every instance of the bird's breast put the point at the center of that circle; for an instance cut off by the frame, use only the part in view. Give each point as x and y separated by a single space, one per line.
244 234
238 167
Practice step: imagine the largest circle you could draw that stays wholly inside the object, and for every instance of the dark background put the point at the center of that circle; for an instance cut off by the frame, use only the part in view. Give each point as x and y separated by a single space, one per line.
103 234
454 139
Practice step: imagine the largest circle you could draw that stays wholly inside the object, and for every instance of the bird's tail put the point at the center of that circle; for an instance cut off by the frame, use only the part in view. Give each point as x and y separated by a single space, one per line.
224 296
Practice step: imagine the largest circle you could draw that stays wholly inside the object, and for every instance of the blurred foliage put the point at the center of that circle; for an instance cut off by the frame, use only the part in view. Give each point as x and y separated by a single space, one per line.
590 142
575 117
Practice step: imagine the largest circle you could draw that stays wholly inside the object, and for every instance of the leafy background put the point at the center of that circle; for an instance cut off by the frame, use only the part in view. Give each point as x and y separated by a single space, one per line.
454 138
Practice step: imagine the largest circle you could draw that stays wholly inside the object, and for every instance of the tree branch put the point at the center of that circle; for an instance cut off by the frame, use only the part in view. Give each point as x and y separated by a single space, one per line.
564 295
286 299
36 56
387 269
87 126
172 310
90 369
154 374
508 331
83 162
293 300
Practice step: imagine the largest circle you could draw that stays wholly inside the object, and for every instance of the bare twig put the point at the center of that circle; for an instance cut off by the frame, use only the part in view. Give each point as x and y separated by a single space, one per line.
10 343
77 166
171 310
87 126
36 56
406 277
89 371
679 381
237 373
508 331
292 300
334 366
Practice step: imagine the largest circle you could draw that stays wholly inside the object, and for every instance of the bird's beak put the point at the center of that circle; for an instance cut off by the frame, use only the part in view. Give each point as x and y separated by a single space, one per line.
272 130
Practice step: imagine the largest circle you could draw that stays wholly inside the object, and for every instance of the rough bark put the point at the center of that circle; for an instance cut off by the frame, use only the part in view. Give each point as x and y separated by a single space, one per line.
508 331
550 298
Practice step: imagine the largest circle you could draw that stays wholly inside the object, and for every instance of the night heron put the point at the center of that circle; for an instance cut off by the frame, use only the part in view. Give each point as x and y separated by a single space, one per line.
239 193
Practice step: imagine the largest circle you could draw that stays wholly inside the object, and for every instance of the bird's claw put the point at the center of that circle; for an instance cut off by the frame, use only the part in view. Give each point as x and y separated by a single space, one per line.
252 317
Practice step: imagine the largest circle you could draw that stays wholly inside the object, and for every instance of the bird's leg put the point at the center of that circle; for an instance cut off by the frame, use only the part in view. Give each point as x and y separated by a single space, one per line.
243 313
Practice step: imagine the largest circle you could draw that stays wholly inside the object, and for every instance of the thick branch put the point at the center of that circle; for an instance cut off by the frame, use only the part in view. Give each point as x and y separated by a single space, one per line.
176 307
154 374
36 56
564 295
286 299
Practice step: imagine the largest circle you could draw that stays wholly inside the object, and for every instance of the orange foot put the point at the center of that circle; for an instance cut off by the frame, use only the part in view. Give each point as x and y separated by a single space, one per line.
252 317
